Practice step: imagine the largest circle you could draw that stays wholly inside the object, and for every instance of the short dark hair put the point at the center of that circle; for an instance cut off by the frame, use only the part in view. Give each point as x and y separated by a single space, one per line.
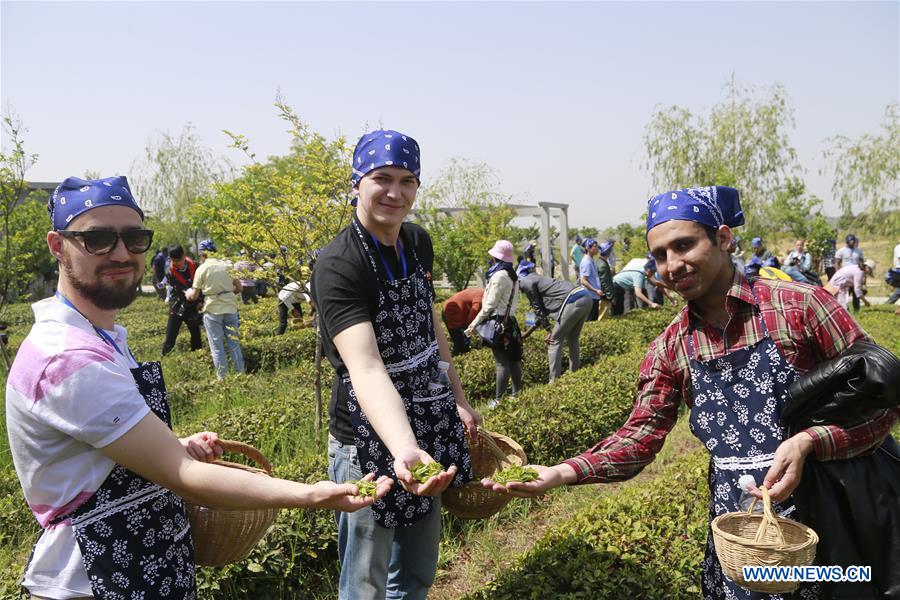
711 233
176 252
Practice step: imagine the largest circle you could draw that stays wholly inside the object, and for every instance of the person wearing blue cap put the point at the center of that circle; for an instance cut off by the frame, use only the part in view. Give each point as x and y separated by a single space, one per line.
214 283
730 356
90 429
629 288
567 304
390 408
595 275
759 250
589 278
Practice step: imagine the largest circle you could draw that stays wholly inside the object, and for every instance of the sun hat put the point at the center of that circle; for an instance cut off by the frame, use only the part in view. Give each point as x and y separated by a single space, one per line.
502 250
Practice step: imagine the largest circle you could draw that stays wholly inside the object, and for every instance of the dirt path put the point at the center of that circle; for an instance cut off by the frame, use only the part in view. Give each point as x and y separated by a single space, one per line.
488 550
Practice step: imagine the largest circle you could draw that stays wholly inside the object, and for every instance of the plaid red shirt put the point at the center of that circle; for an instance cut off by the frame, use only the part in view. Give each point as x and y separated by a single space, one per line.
806 324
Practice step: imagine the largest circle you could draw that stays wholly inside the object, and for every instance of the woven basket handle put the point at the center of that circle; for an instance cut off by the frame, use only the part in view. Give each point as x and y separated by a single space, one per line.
492 446
248 451
768 517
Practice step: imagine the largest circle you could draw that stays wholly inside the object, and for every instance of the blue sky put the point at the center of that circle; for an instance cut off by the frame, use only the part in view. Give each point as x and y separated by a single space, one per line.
554 96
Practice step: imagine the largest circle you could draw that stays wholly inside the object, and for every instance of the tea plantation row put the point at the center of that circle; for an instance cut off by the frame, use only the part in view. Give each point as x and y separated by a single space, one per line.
273 408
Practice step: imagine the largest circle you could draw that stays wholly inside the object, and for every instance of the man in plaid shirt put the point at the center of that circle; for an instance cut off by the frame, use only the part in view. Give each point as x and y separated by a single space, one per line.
767 332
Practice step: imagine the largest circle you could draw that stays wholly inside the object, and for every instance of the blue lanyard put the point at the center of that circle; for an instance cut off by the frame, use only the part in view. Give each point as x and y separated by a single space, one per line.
390 273
103 335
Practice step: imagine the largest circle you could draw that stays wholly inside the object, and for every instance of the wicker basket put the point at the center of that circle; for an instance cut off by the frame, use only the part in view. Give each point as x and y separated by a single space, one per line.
222 536
747 539
490 452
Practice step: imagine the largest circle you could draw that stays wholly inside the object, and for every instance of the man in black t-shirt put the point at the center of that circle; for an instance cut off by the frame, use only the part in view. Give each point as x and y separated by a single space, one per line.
389 411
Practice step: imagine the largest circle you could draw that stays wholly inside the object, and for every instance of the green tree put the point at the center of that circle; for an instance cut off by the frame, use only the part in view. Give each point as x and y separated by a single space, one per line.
742 143
461 238
287 206
15 269
867 174
790 212
173 174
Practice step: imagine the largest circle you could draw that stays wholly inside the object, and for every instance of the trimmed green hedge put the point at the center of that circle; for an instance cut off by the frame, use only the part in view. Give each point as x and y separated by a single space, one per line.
882 324
644 541
601 338
553 422
273 408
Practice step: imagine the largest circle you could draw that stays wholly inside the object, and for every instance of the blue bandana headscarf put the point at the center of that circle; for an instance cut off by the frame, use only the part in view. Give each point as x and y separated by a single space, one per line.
605 248
384 148
525 267
75 196
712 206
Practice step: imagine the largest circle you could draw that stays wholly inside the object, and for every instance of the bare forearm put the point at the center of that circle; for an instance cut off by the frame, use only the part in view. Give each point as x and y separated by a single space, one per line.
151 450
643 297
208 484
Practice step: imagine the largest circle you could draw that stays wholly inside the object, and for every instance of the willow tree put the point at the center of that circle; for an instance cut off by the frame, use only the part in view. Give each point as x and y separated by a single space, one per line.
742 142
867 174
174 172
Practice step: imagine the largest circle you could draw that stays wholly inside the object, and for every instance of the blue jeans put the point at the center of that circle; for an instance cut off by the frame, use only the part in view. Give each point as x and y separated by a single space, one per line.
895 295
219 330
378 562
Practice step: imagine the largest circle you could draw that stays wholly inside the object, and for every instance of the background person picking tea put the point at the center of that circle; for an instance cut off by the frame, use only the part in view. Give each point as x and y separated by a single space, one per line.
372 287
89 426
730 355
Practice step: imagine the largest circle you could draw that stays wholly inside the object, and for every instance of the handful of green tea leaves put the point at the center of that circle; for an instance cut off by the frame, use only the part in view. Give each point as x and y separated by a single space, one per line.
515 473
366 488
422 472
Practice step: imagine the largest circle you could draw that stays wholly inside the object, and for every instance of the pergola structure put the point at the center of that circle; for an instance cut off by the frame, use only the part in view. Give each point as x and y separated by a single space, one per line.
543 213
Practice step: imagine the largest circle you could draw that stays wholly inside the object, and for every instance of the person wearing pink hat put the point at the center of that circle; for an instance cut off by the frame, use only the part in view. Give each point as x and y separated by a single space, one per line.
500 302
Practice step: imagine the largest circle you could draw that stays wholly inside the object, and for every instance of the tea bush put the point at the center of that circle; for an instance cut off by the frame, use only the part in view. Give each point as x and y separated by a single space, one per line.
553 422
273 408
644 540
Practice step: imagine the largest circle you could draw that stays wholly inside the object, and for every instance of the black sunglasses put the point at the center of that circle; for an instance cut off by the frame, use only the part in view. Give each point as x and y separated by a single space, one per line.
103 241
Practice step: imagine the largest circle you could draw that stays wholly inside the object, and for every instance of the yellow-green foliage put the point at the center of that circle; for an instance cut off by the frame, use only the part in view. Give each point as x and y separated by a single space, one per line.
300 200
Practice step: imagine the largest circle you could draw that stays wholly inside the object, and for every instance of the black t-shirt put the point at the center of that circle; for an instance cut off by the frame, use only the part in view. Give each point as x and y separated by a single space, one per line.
345 291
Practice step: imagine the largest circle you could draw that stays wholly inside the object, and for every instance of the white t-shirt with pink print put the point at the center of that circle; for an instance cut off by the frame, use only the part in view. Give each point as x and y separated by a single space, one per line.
68 393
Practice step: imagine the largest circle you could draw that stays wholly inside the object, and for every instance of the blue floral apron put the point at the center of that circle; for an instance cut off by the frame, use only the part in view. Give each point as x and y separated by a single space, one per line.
737 405
404 330
134 535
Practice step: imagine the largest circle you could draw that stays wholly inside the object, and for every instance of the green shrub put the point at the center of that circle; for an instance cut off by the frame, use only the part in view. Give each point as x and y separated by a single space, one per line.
644 540
553 422
296 559
883 325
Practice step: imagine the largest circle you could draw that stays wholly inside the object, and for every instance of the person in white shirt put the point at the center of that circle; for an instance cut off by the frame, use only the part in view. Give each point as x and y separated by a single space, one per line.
89 426
850 254
290 301
851 280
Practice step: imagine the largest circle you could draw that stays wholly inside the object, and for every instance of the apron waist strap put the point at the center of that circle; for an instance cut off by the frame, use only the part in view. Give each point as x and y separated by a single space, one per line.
743 463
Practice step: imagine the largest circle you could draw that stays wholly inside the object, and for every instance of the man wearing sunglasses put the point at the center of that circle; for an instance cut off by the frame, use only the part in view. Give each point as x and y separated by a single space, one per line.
89 426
